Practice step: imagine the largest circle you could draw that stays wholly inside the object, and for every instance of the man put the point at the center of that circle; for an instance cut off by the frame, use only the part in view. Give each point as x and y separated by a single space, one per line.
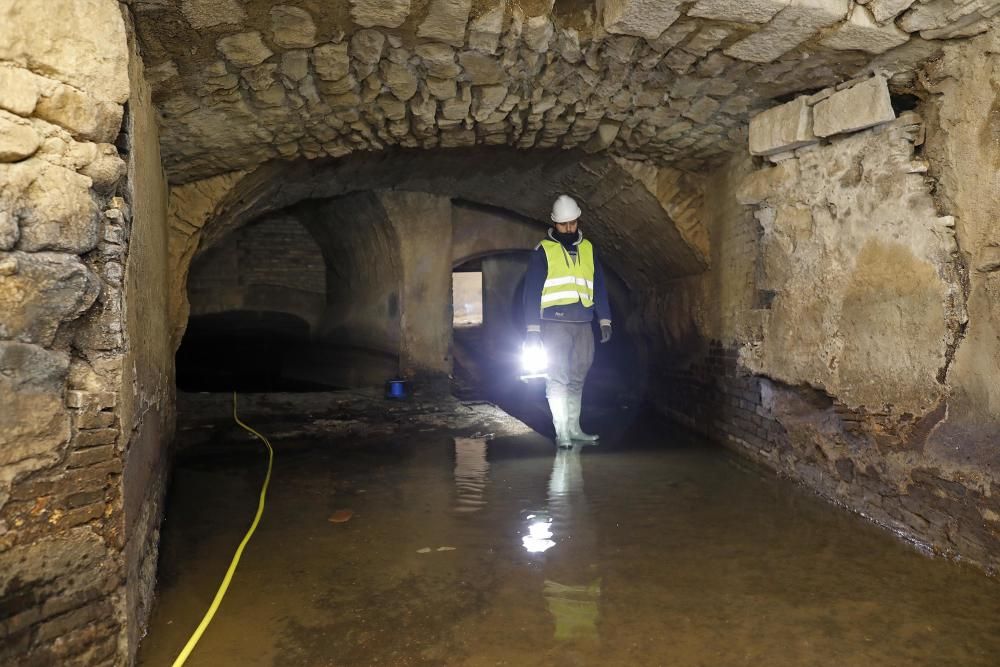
563 288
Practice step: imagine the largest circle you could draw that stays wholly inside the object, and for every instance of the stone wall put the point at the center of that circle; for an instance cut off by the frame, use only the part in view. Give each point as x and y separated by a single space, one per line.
963 152
86 410
146 394
825 341
363 271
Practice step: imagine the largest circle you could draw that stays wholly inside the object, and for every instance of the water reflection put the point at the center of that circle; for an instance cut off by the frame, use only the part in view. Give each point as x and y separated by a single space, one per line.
471 474
539 537
660 555
572 590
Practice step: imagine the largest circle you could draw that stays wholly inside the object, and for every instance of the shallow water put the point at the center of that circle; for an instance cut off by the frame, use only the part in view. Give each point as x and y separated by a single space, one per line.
654 550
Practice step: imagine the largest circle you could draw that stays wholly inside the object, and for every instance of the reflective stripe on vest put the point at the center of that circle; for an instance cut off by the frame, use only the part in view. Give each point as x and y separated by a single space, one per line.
568 281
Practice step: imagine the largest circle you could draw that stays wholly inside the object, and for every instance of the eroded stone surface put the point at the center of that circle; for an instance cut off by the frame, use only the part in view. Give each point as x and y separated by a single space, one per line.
245 49
446 21
793 25
861 32
207 13
78 42
34 424
388 13
642 18
292 27
886 10
18 139
40 291
884 274
740 11
53 206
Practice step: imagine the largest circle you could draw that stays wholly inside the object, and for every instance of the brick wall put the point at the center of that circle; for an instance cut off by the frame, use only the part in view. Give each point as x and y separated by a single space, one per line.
276 251
270 265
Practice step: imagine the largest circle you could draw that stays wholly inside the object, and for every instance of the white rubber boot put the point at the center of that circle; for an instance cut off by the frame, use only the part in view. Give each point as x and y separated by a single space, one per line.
575 432
559 405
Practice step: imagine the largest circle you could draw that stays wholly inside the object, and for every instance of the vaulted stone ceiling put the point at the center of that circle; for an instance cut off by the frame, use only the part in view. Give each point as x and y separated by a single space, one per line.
241 82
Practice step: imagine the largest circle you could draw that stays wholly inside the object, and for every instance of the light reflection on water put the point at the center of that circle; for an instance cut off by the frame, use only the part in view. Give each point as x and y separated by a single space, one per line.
467 552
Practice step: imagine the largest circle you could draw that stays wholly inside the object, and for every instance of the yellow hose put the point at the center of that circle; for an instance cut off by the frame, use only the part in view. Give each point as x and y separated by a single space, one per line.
193 641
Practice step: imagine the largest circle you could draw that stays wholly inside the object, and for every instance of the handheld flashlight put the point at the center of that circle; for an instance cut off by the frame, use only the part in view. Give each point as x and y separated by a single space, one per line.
534 361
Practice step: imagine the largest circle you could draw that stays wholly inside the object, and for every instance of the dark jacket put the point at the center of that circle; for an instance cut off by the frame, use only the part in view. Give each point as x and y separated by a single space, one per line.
534 280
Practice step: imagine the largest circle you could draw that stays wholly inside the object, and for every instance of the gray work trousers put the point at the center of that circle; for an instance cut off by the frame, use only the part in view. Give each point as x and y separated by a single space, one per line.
570 350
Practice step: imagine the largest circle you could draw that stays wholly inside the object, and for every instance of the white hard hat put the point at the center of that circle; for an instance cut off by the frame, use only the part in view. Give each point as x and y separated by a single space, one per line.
565 209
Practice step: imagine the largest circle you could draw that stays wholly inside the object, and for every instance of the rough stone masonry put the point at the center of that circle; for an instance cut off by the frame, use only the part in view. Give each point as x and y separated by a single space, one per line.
800 195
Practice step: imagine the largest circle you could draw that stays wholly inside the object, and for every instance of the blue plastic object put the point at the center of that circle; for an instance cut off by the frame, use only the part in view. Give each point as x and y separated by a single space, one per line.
395 389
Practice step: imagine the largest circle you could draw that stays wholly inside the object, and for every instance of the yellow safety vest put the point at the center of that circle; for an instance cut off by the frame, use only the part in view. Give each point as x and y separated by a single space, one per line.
568 281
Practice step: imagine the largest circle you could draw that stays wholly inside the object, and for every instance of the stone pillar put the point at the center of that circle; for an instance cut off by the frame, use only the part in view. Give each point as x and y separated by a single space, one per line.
422 223
502 322
363 281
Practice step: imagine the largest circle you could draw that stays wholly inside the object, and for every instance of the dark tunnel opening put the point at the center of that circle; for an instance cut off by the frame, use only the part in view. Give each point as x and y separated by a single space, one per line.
244 351
290 303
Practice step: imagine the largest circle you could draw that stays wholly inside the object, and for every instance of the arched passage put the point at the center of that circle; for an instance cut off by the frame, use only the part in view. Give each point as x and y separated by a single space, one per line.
646 222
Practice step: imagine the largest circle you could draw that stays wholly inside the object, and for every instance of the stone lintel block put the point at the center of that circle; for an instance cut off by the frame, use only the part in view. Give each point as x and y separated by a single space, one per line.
969 25
865 105
639 18
738 11
81 43
782 128
862 33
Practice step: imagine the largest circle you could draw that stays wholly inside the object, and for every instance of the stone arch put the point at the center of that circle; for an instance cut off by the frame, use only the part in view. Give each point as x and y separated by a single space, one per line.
620 201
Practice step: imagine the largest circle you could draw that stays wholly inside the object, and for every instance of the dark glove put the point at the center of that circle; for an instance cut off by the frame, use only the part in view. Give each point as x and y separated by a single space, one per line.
533 339
605 333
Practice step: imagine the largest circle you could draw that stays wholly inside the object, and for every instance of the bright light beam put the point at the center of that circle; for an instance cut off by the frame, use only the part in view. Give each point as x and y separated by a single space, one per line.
533 359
